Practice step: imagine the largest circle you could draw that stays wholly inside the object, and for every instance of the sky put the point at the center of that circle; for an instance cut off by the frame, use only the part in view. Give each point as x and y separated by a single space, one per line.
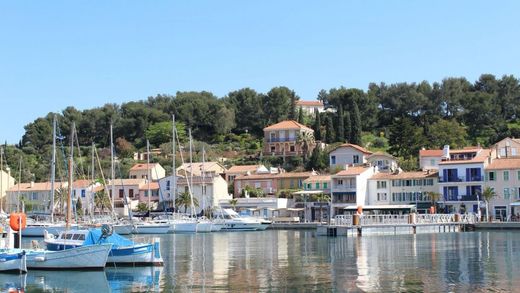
55 54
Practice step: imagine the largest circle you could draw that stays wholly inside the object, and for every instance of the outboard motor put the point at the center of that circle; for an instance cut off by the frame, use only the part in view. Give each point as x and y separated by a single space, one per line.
106 230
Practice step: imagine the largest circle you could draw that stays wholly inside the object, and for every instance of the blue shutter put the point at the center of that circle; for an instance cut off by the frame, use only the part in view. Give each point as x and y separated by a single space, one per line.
445 191
479 174
468 174
468 190
445 175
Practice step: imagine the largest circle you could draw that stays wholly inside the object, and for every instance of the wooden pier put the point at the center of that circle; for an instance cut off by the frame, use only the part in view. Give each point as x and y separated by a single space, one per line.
355 225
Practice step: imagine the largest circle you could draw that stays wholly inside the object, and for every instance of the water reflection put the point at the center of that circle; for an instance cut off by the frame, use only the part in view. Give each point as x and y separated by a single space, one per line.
300 261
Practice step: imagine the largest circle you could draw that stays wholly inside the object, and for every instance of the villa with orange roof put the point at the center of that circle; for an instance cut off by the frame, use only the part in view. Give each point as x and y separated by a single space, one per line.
281 139
142 171
36 196
310 107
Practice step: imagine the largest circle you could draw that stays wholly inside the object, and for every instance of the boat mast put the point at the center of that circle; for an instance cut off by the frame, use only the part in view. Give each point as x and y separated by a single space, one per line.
174 178
112 172
203 186
93 176
19 182
2 179
148 173
53 166
190 184
69 194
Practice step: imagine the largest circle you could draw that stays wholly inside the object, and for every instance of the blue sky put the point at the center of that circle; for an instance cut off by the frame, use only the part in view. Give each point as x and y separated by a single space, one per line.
87 53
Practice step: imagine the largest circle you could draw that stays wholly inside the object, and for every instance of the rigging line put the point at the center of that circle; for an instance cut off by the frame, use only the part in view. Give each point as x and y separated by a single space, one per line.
79 171
105 188
125 197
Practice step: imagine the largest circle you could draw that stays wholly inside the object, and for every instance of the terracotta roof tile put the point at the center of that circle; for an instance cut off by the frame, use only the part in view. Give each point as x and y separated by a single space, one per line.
143 166
36 186
153 186
317 178
405 175
287 124
355 146
309 103
430 153
504 164
352 171
242 168
275 176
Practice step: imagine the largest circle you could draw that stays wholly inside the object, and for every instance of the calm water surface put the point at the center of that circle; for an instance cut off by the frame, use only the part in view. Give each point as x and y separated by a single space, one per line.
298 261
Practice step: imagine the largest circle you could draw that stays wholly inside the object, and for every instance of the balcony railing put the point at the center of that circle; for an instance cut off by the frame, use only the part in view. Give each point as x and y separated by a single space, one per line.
281 139
461 198
460 179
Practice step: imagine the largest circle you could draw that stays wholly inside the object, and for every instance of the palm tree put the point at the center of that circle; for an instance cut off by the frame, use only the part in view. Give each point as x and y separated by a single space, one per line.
321 198
184 199
233 202
60 196
306 140
488 194
101 201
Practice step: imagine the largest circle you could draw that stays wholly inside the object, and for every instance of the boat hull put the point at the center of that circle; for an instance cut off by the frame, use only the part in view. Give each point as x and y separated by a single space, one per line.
13 262
123 229
241 226
39 231
152 229
85 257
139 254
183 227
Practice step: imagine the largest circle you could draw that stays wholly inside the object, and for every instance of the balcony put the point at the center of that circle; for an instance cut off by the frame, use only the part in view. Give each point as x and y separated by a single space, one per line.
460 179
281 139
461 198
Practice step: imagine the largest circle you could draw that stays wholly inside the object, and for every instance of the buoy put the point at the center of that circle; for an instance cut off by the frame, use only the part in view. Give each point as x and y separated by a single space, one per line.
17 221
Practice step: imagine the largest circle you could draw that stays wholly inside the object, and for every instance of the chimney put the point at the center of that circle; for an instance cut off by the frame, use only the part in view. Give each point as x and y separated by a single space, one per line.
346 166
446 152
32 184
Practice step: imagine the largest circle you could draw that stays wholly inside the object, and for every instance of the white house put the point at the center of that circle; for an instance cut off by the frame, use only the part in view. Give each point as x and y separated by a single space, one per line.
430 159
36 196
384 162
141 171
348 154
6 182
310 106
350 188
207 191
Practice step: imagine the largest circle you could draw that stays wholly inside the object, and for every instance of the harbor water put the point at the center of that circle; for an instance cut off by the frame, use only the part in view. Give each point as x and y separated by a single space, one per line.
300 261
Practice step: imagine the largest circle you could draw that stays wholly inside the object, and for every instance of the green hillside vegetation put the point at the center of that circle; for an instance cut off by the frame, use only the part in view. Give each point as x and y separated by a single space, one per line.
397 118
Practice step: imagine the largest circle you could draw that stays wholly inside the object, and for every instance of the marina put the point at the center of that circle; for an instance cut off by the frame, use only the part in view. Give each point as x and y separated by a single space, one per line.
296 260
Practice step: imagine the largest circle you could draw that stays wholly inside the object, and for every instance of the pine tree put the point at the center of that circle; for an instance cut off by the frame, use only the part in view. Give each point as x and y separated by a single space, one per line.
356 125
317 125
300 115
341 128
329 130
347 126
318 160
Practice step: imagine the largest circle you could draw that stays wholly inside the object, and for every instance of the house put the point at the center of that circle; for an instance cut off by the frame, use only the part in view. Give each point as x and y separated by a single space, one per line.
309 107
348 154
208 191
429 159
387 190
506 148
383 161
281 139
305 199
85 190
503 175
350 188
128 192
6 182
210 169
271 184
238 170
35 195
142 171
462 178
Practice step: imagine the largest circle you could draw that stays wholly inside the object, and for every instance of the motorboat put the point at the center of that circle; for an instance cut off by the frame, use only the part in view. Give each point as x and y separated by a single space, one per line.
11 261
124 251
232 221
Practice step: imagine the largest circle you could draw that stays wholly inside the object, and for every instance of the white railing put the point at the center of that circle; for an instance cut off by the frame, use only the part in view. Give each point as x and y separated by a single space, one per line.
434 218
342 220
383 220
468 218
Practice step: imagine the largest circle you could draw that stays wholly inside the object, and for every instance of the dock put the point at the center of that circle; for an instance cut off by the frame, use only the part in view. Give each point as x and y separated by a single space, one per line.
356 225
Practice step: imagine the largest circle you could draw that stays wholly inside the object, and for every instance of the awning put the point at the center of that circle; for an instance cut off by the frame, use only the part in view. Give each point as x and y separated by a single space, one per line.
382 207
308 192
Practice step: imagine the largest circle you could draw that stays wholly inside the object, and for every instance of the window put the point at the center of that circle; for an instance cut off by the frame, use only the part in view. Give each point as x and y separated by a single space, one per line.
518 175
121 193
381 184
340 181
273 149
396 182
333 160
432 162
168 184
204 189
491 176
317 185
83 193
417 182
291 148
309 186
506 193
355 159
34 196
506 175
381 196
131 193
325 185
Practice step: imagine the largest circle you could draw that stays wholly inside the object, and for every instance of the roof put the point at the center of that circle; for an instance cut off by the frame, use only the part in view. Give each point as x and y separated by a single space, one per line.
125 182
81 183
317 178
383 154
243 168
352 171
137 167
287 124
481 157
36 186
275 176
198 166
430 153
153 185
504 164
405 175
309 103
355 146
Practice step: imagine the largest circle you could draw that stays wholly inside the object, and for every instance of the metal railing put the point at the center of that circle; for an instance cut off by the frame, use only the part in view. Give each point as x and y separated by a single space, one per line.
434 218
383 220
342 220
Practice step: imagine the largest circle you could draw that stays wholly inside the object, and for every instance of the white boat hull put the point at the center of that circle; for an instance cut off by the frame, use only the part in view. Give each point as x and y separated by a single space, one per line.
241 226
183 227
204 227
17 264
85 257
38 231
123 229
151 229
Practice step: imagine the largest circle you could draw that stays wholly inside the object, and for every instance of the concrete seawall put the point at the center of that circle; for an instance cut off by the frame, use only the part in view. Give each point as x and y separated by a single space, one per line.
497 226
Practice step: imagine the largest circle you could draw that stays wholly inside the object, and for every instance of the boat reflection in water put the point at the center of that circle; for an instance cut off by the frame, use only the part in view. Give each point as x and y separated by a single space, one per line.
12 282
74 281
141 279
